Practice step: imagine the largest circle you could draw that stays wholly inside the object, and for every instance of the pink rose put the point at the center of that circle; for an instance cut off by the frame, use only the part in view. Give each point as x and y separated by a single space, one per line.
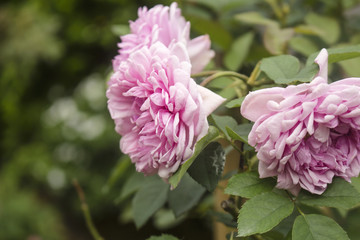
307 134
166 25
158 108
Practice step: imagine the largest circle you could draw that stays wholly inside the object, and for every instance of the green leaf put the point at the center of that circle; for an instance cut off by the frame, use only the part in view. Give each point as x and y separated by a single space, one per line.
248 185
118 171
120 29
131 185
280 68
263 212
328 28
224 218
150 198
218 34
213 134
339 194
276 39
222 122
185 196
240 132
306 74
351 66
238 51
338 54
255 18
163 237
303 45
235 103
355 181
208 167
273 235
317 227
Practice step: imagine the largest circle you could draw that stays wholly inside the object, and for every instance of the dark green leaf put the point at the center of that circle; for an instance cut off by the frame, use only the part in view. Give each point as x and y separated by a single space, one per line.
224 121
238 51
151 196
240 132
339 194
185 196
235 103
355 181
303 45
306 74
280 68
317 227
255 18
263 212
119 171
248 185
163 237
273 235
213 134
338 54
218 34
131 185
208 166
224 218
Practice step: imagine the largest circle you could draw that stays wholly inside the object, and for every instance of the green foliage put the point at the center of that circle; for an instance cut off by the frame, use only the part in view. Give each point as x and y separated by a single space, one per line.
150 198
212 134
238 51
263 212
235 103
163 237
185 196
132 184
208 166
326 28
339 194
224 121
280 69
248 185
317 227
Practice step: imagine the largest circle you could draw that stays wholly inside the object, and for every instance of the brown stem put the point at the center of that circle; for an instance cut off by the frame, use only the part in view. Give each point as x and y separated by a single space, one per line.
86 212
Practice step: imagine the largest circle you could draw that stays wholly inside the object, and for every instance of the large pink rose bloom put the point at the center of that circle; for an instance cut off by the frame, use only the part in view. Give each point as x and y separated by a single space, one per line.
158 109
166 25
307 134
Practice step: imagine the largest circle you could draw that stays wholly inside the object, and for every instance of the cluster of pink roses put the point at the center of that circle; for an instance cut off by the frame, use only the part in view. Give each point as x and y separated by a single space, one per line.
305 134
157 107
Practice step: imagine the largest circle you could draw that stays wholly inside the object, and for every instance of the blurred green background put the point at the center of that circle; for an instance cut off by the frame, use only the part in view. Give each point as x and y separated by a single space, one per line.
55 59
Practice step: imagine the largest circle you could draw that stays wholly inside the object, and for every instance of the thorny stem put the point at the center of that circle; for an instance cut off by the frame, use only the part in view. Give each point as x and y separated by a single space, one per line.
84 207
223 74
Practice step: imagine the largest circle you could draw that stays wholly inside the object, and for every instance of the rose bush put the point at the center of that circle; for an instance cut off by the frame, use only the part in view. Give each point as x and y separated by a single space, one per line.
309 133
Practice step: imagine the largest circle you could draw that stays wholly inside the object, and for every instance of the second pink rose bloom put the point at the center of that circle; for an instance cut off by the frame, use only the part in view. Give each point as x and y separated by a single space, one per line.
307 134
